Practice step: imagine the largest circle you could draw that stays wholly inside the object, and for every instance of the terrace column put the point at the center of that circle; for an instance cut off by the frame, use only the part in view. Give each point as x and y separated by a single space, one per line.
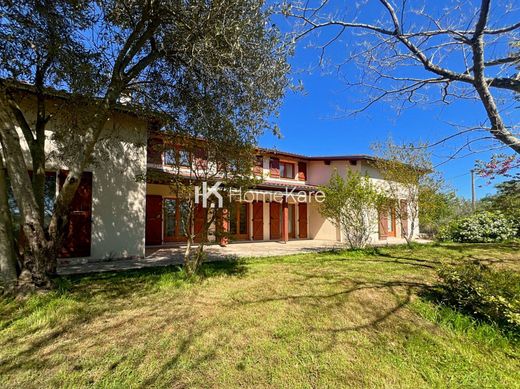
285 220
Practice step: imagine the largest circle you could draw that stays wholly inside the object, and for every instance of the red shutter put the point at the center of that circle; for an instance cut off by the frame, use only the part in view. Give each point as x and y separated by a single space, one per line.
259 165
154 151
404 218
201 158
302 219
274 166
383 224
302 171
78 232
258 220
200 217
274 220
154 221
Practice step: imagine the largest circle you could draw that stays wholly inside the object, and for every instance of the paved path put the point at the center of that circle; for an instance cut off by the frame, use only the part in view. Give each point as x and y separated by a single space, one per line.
163 256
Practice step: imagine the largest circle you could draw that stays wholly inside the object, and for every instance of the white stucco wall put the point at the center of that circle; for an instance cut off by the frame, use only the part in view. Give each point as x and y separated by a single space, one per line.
320 227
118 197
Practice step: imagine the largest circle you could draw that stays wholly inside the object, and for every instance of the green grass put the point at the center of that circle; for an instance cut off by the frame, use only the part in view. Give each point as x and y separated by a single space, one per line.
334 319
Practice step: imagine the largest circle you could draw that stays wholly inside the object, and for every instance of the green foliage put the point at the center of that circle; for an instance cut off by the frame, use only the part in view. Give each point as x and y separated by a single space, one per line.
506 200
406 168
492 295
481 227
349 204
436 207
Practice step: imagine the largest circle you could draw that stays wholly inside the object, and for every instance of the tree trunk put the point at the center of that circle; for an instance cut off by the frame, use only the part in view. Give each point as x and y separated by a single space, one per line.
8 273
498 128
38 176
35 260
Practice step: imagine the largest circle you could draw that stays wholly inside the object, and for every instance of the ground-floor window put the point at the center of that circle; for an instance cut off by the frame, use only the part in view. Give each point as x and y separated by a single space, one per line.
238 220
175 217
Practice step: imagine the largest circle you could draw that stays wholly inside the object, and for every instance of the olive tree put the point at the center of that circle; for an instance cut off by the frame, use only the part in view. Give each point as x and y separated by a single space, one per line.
161 52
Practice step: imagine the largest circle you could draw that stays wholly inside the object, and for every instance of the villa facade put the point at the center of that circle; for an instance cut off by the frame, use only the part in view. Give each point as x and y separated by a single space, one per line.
117 214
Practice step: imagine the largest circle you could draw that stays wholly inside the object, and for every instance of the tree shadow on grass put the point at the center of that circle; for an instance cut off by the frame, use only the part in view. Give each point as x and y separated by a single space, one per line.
90 297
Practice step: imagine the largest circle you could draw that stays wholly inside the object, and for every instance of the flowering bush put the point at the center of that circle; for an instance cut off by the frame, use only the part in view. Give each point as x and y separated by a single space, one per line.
492 295
482 227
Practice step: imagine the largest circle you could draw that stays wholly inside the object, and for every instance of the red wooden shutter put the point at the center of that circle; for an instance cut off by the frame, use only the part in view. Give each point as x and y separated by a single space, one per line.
274 166
302 171
154 221
383 224
259 165
258 220
201 158
404 218
200 217
78 232
302 219
154 151
274 222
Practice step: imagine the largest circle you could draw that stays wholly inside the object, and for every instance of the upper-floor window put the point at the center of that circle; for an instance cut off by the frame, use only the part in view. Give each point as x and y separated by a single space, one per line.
286 170
169 157
174 156
184 158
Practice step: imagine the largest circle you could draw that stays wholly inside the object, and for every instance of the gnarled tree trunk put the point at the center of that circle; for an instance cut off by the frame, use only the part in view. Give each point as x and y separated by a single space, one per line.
8 272
35 258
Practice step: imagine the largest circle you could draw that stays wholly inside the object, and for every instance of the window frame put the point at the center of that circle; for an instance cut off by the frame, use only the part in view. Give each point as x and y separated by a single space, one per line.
178 154
283 171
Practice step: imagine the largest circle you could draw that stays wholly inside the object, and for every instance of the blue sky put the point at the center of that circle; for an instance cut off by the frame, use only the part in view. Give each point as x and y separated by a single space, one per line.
314 121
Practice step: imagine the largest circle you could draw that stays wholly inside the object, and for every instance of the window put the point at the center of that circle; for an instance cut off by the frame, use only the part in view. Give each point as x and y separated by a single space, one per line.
49 196
286 170
390 219
175 217
176 156
169 157
184 158
238 218
170 217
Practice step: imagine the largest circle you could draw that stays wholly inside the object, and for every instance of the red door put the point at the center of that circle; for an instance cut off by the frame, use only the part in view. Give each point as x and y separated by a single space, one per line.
153 235
274 222
302 220
258 220
78 232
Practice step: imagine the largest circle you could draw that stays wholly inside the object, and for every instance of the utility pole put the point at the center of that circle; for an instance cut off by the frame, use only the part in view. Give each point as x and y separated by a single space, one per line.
473 190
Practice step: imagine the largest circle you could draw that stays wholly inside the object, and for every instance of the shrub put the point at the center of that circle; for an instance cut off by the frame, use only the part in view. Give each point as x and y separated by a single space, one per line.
482 227
349 204
492 295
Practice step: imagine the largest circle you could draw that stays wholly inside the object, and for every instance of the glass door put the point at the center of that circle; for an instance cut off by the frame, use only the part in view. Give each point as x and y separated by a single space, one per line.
174 220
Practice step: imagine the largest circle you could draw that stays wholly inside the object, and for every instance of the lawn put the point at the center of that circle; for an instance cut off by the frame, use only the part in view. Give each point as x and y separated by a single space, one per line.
334 319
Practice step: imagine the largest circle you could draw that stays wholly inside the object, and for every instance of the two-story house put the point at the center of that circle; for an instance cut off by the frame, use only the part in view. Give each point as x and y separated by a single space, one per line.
117 214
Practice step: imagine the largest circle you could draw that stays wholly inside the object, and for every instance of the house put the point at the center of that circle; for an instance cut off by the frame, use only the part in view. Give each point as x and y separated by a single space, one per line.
117 215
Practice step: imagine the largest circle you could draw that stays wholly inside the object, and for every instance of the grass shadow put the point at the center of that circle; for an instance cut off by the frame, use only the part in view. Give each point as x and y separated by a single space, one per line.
79 300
